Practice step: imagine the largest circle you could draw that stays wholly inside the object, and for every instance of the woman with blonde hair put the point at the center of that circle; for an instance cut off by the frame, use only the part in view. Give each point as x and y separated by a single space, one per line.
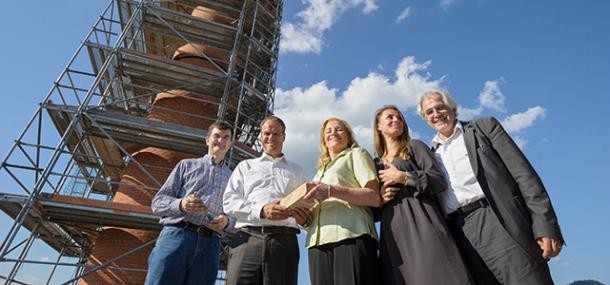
416 246
341 238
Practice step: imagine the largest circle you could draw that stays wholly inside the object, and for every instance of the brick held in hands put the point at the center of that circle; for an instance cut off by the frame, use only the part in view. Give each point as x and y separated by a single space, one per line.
295 198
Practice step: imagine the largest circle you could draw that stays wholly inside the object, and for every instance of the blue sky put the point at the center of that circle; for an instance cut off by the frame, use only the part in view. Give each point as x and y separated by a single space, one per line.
540 67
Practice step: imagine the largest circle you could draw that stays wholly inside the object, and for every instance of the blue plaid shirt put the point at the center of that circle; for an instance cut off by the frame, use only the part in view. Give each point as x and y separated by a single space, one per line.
200 176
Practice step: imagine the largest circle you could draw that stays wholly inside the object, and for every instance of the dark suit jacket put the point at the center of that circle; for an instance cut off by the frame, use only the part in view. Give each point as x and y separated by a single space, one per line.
511 185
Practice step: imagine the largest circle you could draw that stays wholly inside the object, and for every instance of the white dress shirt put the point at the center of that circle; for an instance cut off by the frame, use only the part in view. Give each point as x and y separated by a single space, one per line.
463 185
257 182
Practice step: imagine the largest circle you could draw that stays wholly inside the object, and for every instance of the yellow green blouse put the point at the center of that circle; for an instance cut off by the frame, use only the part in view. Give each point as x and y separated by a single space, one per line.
334 219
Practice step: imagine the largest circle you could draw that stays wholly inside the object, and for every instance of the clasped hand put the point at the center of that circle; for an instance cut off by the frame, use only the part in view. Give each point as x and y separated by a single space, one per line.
388 193
392 175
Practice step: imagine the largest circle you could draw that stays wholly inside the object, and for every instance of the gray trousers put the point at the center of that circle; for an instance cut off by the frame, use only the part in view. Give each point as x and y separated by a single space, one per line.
492 255
263 259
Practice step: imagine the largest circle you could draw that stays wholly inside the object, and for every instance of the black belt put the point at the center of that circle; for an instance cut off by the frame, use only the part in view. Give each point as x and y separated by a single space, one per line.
200 229
468 208
268 230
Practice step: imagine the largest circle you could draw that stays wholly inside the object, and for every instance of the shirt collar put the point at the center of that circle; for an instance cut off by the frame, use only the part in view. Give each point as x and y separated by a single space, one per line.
342 153
208 159
457 130
267 157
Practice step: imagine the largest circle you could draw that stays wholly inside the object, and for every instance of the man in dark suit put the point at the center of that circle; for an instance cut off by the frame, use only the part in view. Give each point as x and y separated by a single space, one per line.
497 207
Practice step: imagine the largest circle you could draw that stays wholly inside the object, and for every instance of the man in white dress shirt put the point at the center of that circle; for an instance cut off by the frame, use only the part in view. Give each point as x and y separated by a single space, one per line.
497 207
265 249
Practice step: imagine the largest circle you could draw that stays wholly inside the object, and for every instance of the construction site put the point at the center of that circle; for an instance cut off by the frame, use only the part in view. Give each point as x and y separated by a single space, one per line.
135 98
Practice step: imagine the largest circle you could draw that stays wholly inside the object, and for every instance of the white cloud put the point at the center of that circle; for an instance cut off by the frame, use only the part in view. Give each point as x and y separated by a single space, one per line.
307 34
467 114
445 4
300 40
304 109
406 12
517 122
492 97
370 6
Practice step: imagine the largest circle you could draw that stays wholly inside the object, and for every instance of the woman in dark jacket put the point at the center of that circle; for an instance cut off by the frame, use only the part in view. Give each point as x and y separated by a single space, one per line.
416 246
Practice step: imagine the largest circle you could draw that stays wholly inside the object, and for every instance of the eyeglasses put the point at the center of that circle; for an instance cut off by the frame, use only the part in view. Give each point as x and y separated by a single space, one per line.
441 109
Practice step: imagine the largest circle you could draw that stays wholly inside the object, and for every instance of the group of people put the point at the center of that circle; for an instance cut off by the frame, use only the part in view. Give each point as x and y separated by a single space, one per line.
468 210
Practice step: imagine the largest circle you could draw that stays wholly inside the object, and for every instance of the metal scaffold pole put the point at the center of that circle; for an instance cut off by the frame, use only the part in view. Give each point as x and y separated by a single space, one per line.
135 98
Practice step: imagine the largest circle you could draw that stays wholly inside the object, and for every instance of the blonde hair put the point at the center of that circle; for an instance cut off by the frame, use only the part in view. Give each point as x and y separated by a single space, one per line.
324 154
379 142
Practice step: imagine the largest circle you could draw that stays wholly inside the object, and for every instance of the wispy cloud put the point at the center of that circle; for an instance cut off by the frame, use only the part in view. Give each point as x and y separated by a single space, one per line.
518 122
304 109
405 13
300 40
306 35
515 124
491 97
467 114
446 4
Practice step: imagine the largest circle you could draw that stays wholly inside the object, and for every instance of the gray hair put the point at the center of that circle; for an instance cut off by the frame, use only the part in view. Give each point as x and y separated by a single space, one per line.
445 97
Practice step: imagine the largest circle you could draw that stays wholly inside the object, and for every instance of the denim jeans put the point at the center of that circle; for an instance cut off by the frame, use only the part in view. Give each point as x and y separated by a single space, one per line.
182 256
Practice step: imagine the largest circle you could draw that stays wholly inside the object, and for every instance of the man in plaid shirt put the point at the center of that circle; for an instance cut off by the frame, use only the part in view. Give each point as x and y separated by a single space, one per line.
190 205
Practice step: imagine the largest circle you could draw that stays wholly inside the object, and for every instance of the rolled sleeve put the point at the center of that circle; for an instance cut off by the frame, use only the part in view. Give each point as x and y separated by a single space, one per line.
364 167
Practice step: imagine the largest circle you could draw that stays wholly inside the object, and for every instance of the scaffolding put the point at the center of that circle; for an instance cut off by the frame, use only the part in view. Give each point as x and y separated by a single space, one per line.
148 75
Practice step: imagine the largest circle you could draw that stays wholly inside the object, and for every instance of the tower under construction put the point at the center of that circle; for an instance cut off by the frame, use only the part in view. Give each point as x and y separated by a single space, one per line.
136 97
